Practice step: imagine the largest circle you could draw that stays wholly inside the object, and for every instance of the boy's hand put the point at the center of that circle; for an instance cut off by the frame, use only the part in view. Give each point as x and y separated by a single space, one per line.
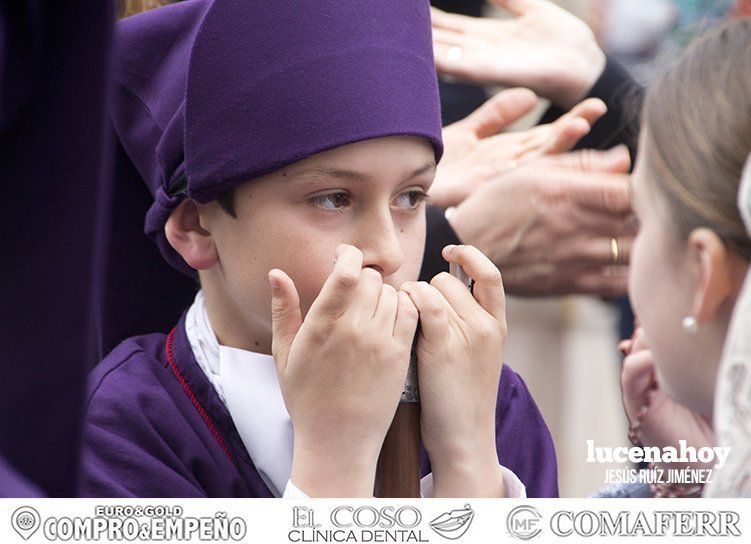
341 372
459 352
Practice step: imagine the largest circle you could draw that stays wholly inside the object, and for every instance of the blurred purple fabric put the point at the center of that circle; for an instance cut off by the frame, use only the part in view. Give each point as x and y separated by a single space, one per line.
54 158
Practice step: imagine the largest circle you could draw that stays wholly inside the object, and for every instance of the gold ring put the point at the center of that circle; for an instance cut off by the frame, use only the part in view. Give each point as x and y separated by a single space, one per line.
614 250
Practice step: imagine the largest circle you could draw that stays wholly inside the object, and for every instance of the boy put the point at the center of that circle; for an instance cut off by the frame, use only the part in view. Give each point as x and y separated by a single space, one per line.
277 141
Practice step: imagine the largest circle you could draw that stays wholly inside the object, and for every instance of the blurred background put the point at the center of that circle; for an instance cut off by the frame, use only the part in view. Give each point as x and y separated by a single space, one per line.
566 348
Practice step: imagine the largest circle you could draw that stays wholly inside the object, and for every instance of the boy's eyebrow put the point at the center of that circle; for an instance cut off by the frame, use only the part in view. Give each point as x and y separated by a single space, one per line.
424 169
354 175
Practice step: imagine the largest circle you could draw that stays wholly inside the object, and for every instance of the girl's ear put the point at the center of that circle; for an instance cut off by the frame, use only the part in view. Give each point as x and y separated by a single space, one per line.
717 274
186 235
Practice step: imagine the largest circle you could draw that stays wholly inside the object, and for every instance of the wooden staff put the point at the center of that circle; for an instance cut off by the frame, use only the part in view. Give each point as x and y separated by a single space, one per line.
398 469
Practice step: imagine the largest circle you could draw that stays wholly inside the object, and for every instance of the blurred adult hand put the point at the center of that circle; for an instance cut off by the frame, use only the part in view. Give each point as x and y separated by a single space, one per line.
549 224
475 152
543 47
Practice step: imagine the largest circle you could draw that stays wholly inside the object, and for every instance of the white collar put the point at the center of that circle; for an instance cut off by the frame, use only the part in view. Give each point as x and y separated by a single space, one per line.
248 385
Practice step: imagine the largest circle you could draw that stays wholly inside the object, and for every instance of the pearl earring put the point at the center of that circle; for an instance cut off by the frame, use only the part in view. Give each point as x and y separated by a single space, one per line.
690 324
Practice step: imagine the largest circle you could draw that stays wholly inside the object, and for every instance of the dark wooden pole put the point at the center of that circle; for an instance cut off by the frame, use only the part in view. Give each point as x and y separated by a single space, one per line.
398 469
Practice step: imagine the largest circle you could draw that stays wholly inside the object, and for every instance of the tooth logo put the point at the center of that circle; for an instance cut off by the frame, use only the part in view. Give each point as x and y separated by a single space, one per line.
452 525
25 521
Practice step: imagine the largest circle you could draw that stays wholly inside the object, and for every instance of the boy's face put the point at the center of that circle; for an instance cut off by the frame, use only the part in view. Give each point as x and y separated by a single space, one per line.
367 194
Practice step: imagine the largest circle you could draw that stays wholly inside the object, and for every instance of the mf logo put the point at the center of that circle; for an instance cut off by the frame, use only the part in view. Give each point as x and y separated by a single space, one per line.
524 522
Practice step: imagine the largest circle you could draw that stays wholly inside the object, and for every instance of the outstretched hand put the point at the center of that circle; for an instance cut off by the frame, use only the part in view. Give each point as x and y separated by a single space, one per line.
476 153
543 47
550 225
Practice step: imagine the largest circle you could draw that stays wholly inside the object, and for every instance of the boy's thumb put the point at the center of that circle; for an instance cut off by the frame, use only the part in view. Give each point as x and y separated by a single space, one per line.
286 317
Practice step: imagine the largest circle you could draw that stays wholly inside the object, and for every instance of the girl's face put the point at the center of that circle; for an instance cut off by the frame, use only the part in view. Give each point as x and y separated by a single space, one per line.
663 282
368 194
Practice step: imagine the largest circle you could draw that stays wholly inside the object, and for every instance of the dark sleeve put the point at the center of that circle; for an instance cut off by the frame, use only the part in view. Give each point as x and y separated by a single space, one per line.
473 8
523 441
439 234
623 97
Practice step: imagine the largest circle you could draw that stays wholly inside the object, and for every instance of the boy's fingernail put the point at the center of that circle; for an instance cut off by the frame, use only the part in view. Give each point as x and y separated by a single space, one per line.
274 282
449 248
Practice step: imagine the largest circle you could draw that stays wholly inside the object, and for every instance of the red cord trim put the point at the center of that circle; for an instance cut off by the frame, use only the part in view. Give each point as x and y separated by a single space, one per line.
192 396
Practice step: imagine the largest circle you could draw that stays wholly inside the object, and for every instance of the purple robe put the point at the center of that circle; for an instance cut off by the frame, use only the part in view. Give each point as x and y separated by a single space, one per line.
155 427
12 484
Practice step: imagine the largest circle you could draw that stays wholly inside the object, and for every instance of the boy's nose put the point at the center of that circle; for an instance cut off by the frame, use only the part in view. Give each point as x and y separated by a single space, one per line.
382 248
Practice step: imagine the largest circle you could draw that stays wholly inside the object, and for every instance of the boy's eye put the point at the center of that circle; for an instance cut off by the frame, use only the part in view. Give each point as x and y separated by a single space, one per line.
332 201
339 200
411 199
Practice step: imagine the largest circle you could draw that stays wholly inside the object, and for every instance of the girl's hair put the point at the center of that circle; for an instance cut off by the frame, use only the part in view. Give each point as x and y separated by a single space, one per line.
132 7
697 118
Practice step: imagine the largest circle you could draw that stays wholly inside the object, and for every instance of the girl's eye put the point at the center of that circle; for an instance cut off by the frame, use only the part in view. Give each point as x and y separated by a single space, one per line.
411 199
332 201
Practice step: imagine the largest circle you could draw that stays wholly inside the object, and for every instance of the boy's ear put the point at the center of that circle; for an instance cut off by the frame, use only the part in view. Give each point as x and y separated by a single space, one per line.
717 275
186 235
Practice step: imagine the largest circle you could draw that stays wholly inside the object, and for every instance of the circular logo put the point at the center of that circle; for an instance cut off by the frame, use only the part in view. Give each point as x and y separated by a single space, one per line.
524 522
25 521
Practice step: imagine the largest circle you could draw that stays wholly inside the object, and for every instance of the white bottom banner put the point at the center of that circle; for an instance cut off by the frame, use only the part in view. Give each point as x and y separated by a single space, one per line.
278 521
